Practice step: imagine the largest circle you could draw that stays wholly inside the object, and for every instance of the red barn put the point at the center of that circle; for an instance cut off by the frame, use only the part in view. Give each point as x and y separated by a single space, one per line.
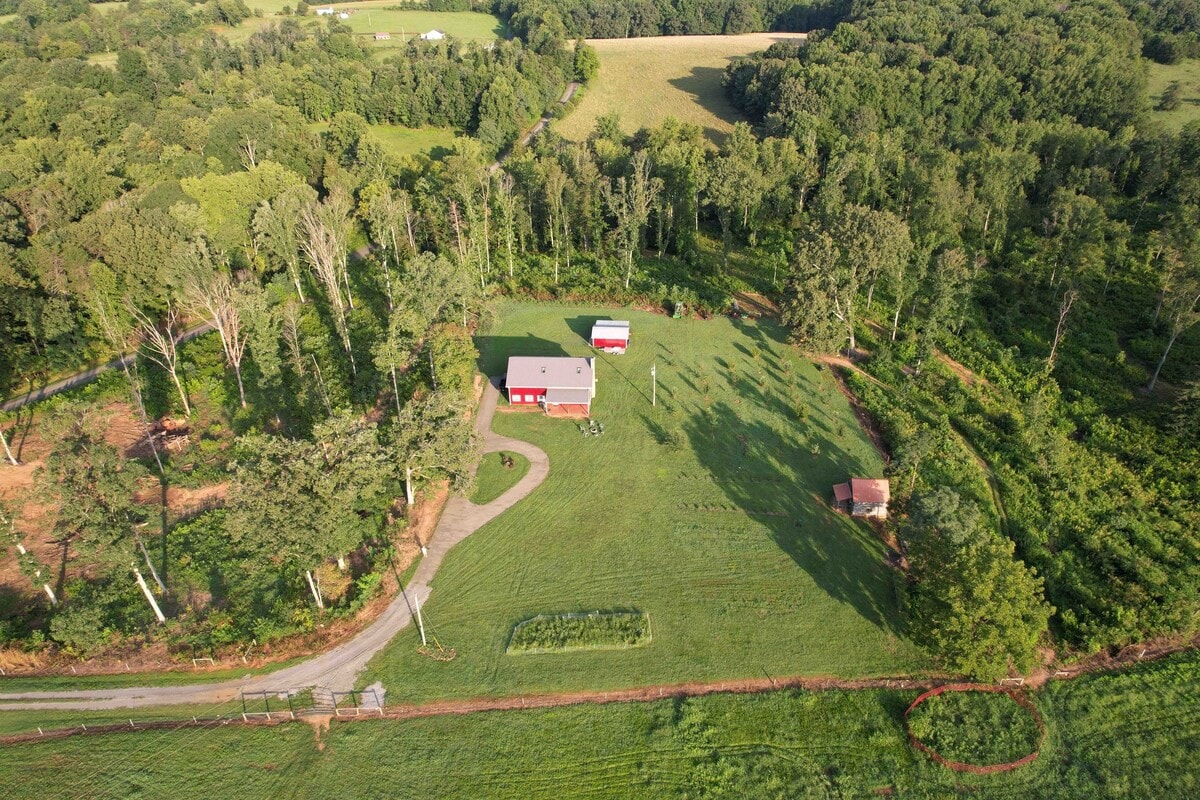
610 335
555 383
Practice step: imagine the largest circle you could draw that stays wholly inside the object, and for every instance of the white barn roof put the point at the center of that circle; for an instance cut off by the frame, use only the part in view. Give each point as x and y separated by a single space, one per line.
610 329
550 372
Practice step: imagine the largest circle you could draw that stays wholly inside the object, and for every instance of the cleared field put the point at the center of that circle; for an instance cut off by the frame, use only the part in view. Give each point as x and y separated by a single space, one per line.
400 141
1187 72
647 80
103 60
707 512
384 16
1129 735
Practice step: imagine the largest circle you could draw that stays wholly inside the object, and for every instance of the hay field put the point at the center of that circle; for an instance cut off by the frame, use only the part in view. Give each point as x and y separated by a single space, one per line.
647 80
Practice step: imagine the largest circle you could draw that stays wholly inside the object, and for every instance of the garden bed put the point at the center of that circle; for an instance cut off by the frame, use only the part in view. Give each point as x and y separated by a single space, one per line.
616 630
971 728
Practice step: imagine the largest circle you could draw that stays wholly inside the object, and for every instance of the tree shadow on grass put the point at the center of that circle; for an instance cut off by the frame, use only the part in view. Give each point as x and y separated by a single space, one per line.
799 464
581 326
705 87
494 351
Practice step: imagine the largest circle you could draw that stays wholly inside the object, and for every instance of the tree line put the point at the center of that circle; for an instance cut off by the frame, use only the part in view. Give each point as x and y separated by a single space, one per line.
597 19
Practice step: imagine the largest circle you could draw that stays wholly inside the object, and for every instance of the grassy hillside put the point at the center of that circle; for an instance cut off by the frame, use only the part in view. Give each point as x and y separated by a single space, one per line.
709 512
647 80
1120 735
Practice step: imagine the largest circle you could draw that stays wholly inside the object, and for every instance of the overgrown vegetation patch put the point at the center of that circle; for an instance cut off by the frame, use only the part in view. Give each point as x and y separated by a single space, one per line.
558 633
975 730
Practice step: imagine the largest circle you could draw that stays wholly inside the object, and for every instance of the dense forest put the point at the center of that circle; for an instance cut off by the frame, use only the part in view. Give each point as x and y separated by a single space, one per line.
1030 219
933 189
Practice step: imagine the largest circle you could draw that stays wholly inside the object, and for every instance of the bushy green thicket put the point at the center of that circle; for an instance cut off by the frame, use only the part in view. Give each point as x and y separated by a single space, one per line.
980 728
594 631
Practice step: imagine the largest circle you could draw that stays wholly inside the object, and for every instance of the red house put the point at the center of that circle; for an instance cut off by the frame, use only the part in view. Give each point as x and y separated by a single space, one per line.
556 383
610 335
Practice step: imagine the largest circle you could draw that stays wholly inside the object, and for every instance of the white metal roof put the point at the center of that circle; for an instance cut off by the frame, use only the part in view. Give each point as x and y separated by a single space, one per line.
550 372
610 329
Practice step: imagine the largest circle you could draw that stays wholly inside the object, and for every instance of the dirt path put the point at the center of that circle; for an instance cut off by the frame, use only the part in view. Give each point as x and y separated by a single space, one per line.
334 669
71 381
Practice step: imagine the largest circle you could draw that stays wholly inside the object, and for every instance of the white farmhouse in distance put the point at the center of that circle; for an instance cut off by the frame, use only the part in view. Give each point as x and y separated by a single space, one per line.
433 35
324 12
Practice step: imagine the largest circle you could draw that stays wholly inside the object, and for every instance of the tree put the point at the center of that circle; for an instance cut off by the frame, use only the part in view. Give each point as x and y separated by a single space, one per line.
1172 96
389 216
1060 330
587 63
436 438
161 344
1180 302
629 200
276 229
976 607
325 230
818 294
735 184
92 488
296 503
211 295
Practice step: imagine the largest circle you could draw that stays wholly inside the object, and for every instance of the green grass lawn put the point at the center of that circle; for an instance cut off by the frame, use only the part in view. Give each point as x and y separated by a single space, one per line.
1187 72
23 720
494 479
647 80
1122 735
708 512
401 141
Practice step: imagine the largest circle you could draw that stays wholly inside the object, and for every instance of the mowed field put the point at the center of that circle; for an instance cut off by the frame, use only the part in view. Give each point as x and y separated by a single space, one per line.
401 142
709 512
1187 72
381 16
1120 735
649 79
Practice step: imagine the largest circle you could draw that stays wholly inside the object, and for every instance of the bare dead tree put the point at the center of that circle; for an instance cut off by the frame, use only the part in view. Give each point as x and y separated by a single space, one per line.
248 150
121 338
161 343
8 453
1064 310
213 297
324 243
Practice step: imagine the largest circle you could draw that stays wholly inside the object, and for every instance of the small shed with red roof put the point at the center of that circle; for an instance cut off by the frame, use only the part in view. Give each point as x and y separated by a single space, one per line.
863 497
610 335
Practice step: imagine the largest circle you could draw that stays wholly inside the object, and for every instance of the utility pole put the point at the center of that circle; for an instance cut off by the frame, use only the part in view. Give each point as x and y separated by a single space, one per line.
654 384
420 623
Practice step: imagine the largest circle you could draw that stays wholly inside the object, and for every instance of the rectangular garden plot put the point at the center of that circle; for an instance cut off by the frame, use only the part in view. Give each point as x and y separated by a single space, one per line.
561 633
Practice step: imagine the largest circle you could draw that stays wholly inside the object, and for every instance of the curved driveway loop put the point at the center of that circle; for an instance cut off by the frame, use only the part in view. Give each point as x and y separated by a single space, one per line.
337 668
